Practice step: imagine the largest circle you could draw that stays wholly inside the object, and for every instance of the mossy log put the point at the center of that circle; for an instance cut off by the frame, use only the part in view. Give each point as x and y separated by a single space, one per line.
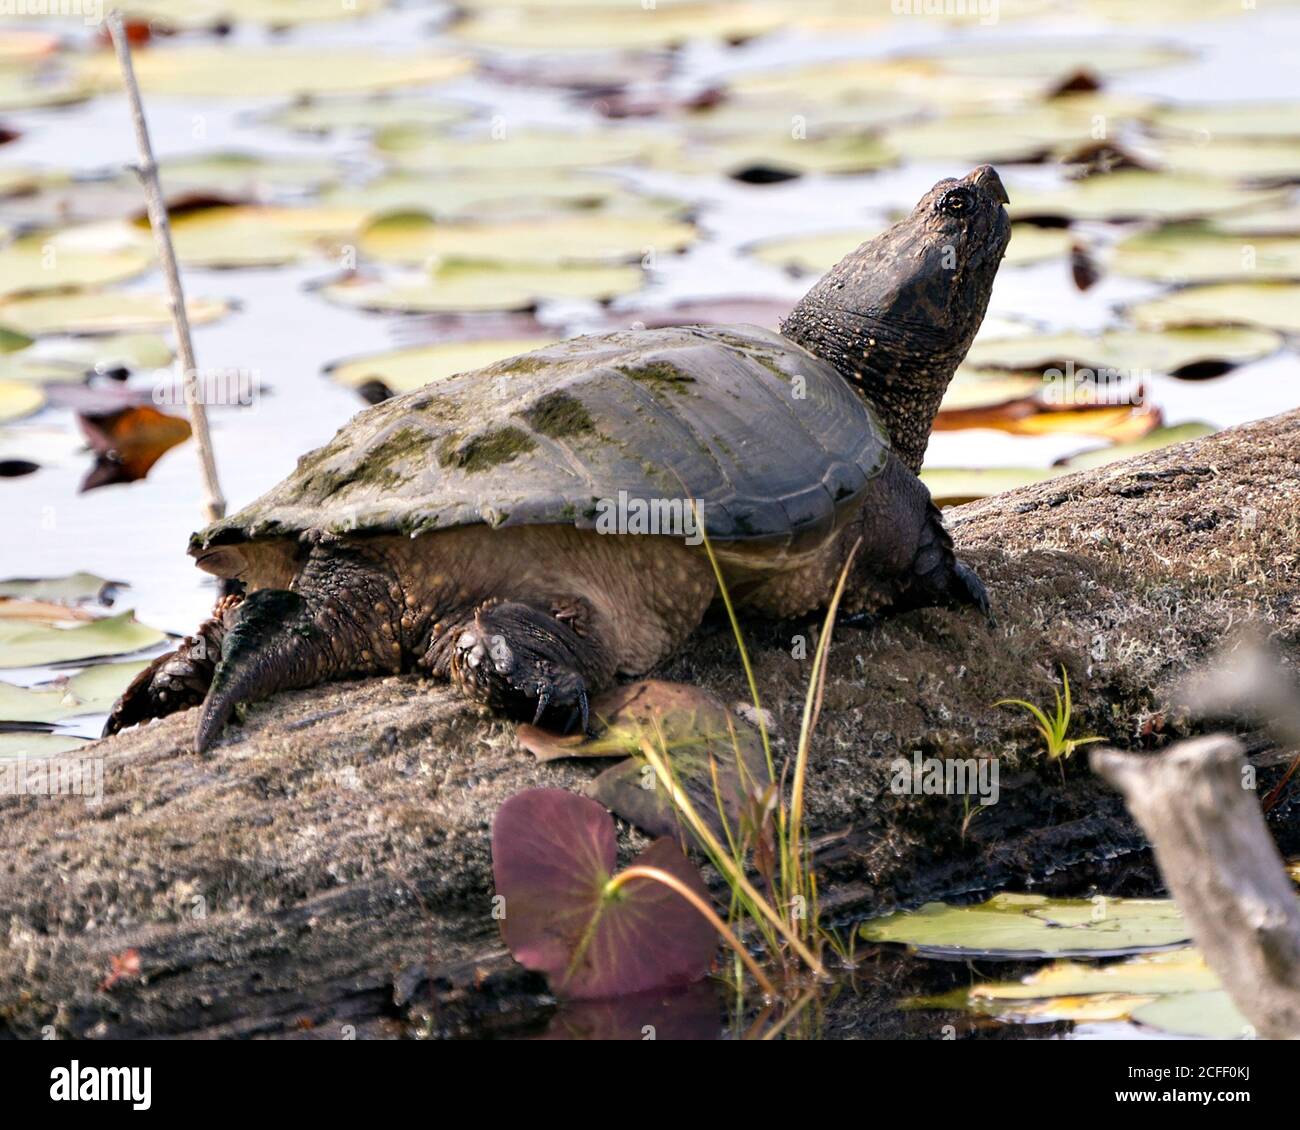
326 869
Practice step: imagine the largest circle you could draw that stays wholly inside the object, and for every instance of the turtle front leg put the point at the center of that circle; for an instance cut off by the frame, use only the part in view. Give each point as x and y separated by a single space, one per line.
526 662
179 679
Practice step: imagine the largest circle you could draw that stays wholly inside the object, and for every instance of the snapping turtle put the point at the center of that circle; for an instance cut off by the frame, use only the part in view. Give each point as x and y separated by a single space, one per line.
483 527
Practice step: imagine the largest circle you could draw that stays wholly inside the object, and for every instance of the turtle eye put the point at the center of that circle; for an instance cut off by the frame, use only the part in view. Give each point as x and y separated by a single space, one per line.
957 202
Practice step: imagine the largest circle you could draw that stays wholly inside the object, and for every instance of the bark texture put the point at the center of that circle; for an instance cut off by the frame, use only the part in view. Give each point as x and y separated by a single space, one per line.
325 869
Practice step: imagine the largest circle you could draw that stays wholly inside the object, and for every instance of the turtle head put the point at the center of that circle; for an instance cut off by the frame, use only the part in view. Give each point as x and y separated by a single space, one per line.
897 315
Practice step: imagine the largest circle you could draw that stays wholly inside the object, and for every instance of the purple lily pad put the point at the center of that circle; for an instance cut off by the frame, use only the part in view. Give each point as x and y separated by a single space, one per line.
553 853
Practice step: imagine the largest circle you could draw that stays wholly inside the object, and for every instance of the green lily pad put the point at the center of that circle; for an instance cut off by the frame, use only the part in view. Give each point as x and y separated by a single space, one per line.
404 369
1139 194
75 588
952 486
1255 159
71 359
92 691
1283 220
417 148
244 176
757 118
1152 441
26 644
1171 971
833 155
19 743
330 115
24 89
980 388
1026 134
1228 119
1275 305
1210 1015
82 256
201 15
245 72
102 312
543 192
1019 926
19 399
626 27
12 342
1187 253
1048 58
413 237
479 286
260 235
1125 350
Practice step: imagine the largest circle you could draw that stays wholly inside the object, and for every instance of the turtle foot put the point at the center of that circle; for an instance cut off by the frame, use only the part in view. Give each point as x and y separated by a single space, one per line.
177 680
525 663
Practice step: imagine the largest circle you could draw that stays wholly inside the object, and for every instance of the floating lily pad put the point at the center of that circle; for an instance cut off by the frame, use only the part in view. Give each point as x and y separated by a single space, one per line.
785 156
54 360
1138 194
1172 991
244 176
478 286
543 192
76 588
404 369
1274 305
19 399
1284 220
1210 1015
419 148
35 645
82 256
1262 159
757 118
24 89
129 441
1048 58
413 237
92 691
975 388
1020 926
260 235
243 72
1026 134
1128 351
1121 423
1229 119
552 855
199 15
1152 441
20 743
1187 253
952 486
330 115
618 28
102 312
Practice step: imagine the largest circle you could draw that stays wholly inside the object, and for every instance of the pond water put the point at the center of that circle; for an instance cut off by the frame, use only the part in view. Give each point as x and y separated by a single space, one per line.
285 333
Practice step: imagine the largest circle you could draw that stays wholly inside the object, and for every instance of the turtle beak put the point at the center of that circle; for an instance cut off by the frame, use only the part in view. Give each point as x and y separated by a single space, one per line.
986 178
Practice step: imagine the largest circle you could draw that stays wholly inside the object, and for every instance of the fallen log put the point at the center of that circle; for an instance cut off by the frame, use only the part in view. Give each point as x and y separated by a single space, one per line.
1222 866
326 869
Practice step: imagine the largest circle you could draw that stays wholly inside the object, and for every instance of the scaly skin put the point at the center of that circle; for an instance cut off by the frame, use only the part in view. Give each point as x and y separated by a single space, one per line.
897 316
532 620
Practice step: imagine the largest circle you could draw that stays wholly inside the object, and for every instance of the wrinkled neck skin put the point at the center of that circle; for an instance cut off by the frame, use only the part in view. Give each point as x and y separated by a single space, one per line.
896 322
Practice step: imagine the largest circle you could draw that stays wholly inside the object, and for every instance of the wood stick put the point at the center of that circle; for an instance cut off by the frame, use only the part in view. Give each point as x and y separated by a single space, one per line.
214 502
1222 867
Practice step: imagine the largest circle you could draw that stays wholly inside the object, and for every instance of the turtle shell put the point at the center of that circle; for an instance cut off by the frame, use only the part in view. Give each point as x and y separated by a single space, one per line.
771 442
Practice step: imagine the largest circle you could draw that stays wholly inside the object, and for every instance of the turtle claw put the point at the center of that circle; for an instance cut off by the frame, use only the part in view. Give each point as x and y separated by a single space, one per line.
523 662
